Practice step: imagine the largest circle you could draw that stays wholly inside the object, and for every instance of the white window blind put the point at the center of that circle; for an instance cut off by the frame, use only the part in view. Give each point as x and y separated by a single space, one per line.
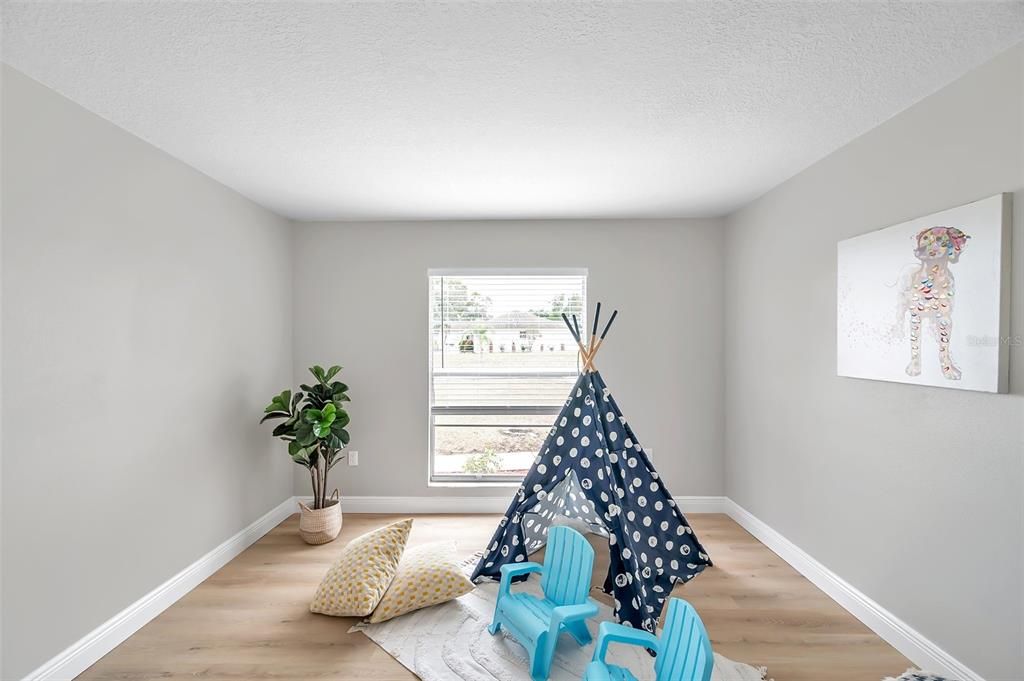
501 365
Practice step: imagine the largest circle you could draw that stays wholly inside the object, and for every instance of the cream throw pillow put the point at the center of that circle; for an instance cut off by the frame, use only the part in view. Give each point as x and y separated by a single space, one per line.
359 577
427 575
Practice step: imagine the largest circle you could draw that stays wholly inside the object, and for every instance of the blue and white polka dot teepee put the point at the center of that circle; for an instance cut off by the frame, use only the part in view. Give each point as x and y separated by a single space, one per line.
592 472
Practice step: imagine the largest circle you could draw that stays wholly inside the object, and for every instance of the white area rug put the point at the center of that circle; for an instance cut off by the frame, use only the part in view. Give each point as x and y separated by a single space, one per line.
450 642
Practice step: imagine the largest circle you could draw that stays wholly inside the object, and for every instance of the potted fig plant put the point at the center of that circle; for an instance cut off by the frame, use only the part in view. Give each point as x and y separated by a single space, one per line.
313 421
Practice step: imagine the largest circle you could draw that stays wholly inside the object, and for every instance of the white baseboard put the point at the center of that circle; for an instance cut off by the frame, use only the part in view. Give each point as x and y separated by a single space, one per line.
888 626
491 504
77 657
703 504
80 655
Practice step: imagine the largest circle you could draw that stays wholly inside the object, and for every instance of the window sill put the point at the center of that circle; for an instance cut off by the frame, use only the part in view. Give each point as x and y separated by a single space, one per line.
472 483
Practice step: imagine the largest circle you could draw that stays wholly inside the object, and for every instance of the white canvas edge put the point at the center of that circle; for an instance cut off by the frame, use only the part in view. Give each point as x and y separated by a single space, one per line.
1005 286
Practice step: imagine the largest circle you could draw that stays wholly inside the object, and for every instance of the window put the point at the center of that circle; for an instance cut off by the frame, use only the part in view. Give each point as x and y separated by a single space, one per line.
501 365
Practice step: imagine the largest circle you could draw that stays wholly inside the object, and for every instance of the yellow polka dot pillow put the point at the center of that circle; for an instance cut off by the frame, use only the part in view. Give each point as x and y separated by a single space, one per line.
358 579
427 575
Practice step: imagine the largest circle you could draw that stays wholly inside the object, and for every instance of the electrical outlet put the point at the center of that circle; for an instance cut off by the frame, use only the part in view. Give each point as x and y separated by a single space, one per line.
353 458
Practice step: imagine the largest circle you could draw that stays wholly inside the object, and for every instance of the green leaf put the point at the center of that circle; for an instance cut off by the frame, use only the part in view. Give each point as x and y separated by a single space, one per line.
282 429
279 402
342 419
304 435
343 435
332 372
299 454
318 372
320 420
275 415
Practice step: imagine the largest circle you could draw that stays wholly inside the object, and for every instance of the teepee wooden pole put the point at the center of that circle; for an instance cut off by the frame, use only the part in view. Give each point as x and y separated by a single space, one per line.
586 356
593 354
615 313
593 335
595 347
574 332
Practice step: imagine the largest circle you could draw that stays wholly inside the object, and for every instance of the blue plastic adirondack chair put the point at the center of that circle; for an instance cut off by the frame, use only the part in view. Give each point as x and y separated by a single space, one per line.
683 651
565 580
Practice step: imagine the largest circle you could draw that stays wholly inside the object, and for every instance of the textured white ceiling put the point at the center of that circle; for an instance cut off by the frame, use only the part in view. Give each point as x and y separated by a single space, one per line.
381 110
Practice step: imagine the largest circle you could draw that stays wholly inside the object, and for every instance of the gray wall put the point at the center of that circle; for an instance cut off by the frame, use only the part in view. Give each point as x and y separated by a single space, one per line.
921 487
1 391
663 359
145 325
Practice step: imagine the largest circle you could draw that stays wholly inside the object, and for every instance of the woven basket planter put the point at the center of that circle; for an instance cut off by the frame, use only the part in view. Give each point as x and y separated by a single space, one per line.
320 525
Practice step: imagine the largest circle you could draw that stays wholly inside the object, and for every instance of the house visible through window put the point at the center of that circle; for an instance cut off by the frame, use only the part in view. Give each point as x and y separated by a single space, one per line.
501 365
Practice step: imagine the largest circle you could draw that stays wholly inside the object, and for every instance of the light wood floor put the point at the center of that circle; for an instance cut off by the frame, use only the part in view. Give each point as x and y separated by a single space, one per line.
251 620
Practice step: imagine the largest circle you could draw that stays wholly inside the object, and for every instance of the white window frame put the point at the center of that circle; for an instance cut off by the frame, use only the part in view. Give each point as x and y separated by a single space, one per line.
482 480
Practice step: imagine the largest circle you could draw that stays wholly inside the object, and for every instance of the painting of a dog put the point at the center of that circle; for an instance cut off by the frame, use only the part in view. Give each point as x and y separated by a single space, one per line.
926 301
928 293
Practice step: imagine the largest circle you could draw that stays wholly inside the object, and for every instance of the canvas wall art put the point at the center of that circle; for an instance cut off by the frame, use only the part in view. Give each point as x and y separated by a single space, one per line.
927 301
